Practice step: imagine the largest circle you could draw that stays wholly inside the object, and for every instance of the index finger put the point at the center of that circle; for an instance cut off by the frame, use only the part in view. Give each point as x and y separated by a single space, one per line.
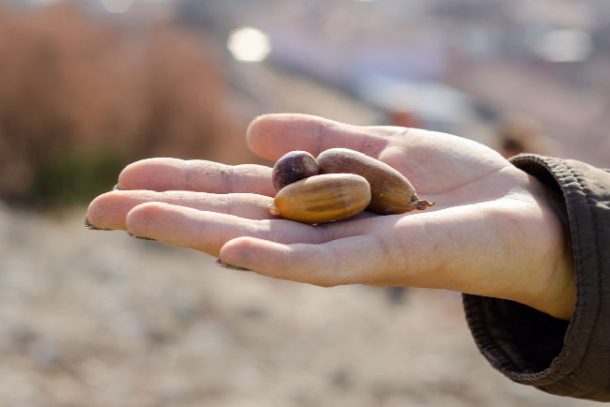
166 174
273 135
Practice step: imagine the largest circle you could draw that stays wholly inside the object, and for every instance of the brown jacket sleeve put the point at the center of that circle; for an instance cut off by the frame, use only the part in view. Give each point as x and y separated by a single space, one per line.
568 358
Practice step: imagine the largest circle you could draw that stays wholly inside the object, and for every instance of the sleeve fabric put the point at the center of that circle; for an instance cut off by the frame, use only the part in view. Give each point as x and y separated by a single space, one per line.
567 358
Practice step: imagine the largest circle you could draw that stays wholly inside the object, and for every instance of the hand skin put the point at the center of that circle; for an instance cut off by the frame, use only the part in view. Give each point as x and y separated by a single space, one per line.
492 231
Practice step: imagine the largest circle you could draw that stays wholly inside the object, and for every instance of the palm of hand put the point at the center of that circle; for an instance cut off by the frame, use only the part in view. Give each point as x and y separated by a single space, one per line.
489 232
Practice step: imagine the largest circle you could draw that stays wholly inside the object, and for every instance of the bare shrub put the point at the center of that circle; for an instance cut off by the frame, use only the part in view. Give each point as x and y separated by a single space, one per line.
81 93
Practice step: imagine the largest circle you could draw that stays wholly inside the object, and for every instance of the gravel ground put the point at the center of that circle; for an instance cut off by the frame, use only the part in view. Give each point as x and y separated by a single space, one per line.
100 319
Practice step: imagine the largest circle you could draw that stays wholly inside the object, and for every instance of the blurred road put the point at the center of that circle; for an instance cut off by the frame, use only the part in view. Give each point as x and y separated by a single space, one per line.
101 319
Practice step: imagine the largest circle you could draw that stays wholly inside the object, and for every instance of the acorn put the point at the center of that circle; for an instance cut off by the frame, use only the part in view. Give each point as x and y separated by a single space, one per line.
391 192
323 198
293 166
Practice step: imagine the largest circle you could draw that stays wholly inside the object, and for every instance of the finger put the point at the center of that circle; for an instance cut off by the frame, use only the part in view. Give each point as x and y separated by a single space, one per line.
271 136
356 259
208 231
165 174
109 210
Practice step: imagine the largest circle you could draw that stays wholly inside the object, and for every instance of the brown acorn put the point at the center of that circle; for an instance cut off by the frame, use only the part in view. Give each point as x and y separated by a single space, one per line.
391 192
323 198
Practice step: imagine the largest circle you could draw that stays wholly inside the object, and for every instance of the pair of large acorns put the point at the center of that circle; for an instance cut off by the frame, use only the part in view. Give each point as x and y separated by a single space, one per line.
337 185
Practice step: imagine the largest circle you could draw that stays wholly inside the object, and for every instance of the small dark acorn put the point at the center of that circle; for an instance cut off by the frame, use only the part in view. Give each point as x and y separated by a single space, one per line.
292 167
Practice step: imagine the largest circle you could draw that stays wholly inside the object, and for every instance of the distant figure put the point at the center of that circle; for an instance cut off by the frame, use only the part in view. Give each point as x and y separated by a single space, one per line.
521 135
403 118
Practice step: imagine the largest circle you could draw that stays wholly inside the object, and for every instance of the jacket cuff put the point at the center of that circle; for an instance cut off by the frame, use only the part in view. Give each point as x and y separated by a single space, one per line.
568 358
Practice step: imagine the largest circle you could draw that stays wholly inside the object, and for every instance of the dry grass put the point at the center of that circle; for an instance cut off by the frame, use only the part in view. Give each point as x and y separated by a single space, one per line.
82 93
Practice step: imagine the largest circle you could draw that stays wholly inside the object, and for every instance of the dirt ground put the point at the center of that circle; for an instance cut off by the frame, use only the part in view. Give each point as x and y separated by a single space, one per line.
100 319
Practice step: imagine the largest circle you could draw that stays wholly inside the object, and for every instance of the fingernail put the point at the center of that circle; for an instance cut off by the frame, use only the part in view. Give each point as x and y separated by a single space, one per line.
140 237
116 188
91 227
230 266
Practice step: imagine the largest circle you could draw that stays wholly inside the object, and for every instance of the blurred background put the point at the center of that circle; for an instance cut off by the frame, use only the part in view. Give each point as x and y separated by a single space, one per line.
99 319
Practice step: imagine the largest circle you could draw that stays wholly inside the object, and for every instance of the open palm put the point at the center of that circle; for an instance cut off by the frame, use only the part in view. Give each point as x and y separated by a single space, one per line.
491 231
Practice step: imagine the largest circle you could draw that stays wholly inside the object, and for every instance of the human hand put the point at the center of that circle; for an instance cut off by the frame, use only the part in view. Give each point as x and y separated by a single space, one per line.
492 231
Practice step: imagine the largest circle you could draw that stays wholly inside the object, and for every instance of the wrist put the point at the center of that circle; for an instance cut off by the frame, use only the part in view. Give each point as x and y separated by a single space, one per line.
555 292
558 296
